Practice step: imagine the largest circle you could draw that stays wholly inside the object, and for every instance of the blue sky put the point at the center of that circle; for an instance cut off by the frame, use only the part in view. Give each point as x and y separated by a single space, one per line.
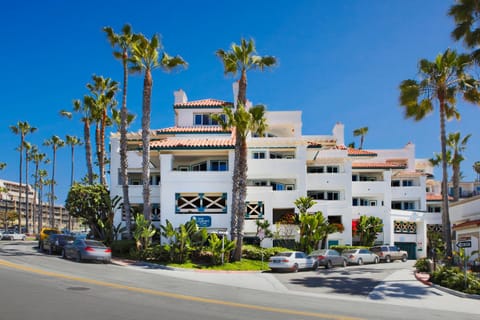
339 61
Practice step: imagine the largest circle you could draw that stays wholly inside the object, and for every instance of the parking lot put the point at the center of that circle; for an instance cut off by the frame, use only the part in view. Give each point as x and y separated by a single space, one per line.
353 280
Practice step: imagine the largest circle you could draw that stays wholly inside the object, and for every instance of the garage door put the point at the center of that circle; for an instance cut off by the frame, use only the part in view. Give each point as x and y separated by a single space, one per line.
410 247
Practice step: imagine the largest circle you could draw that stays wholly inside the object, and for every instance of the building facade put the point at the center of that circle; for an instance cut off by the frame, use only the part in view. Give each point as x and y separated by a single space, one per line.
192 167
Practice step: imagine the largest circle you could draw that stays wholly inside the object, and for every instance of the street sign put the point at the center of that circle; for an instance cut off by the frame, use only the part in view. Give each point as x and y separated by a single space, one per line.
464 244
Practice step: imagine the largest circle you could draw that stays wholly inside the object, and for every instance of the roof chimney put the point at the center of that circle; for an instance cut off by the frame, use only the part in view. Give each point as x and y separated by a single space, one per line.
180 96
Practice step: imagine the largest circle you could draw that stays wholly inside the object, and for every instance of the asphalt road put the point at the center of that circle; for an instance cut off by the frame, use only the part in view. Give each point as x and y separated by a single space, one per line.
38 286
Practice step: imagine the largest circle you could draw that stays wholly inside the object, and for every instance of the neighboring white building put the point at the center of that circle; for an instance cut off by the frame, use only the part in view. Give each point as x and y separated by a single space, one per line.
465 217
192 166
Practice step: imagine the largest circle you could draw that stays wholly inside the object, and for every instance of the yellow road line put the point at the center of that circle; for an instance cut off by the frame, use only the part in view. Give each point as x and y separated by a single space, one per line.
173 295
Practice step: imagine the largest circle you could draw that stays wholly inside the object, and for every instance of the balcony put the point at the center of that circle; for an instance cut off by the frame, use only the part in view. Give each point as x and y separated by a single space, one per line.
366 188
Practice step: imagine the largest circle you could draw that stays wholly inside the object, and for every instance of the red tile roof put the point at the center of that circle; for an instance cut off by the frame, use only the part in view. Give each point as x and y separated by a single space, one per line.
377 165
205 143
203 103
356 152
194 129
436 197
473 223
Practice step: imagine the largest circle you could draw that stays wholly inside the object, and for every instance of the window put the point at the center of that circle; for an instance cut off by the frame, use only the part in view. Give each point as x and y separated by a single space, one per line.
315 169
258 155
289 187
205 119
202 166
395 183
332 169
154 179
407 183
324 195
335 219
186 203
219 165
255 210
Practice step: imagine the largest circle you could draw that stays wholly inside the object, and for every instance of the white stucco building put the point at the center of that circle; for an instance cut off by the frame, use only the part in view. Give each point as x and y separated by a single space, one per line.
192 166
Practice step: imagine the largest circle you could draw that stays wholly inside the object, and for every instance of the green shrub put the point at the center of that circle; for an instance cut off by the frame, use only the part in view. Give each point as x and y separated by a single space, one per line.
156 253
422 265
454 278
255 252
121 248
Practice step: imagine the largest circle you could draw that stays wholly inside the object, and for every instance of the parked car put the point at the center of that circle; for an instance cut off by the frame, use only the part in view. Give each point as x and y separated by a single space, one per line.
44 233
389 253
291 261
12 235
55 242
84 249
360 256
328 258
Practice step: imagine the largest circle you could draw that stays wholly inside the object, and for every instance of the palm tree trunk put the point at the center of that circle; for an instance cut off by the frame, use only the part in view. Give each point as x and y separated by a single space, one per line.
101 160
26 193
35 207
71 183
447 235
20 186
147 91
40 212
456 180
52 189
98 150
241 197
88 150
123 148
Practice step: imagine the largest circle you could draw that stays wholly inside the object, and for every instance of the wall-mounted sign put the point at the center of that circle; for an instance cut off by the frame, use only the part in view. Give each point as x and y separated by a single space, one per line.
203 221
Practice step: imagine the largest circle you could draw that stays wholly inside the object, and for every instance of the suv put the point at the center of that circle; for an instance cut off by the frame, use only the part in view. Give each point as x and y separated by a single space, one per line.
389 253
44 233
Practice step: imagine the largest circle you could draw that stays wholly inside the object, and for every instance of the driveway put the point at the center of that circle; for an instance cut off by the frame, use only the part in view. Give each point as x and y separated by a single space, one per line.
356 281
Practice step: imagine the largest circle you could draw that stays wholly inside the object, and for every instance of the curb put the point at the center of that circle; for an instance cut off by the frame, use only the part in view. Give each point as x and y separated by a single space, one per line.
425 277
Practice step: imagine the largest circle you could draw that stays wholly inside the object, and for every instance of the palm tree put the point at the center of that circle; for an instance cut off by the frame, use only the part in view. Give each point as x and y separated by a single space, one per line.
145 58
22 128
72 141
124 42
84 107
466 13
362 132
36 158
28 147
56 142
441 82
241 59
457 146
103 91
42 174
476 168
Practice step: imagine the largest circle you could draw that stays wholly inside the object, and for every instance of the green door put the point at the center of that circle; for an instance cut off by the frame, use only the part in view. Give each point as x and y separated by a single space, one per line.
410 247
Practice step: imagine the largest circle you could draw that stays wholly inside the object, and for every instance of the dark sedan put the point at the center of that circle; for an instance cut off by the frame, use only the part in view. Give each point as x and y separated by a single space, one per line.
55 242
84 249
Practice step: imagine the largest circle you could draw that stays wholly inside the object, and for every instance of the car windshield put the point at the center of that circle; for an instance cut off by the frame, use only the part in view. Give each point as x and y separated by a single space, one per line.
349 251
318 252
50 231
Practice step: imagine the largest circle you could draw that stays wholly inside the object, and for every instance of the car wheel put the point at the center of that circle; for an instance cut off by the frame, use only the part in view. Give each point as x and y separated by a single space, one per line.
387 259
328 265
375 260
360 261
295 268
404 258
79 257
315 266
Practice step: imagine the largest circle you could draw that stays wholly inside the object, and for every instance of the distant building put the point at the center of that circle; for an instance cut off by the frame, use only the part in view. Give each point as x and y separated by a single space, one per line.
192 165
10 202
465 217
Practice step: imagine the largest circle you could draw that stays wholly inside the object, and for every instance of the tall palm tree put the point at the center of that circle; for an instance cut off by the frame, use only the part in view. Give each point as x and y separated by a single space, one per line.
476 168
22 128
144 59
103 91
361 132
84 107
37 158
457 146
28 148
465 14
55 142
123 41
442 81
72 141
241 59
42 174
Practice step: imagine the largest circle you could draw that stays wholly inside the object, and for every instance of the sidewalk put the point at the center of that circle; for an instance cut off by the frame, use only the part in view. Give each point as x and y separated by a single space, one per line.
403 287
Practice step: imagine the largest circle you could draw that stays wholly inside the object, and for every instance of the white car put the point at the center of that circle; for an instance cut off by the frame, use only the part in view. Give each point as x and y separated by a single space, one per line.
360 256
10 235
291 261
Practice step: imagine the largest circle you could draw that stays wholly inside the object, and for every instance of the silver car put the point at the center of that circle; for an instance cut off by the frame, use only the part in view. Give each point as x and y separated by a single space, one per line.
360 256
291 261
11 235
328 258
84 249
